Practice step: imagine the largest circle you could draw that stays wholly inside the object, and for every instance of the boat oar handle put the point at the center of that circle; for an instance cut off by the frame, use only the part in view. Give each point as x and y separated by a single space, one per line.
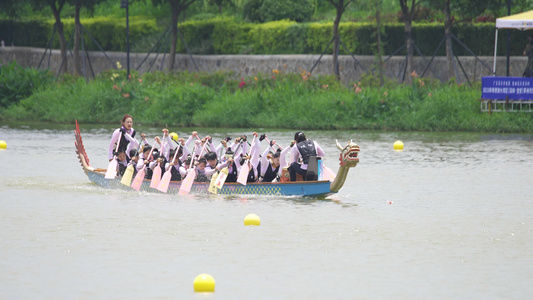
273 144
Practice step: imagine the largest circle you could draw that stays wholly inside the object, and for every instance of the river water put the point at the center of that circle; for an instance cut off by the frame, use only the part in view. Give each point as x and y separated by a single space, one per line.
450 217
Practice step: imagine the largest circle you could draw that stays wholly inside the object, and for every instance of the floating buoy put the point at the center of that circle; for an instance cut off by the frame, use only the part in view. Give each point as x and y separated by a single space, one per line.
398 146
174 136
204 283
252 219
3 144
390 202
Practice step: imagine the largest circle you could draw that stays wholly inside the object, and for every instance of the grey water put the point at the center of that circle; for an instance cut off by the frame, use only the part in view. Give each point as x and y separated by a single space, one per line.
449 217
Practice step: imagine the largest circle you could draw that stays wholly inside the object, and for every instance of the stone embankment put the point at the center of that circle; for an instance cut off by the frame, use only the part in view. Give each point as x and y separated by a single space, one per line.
351 68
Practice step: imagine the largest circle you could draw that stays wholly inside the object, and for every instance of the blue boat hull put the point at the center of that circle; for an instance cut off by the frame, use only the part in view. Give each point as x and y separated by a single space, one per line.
298 188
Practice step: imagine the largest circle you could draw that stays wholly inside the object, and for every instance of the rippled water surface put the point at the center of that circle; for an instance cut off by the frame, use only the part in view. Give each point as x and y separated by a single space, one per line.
450 217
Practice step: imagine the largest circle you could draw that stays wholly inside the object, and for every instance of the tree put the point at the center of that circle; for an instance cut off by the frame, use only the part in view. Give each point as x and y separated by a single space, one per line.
469 9
57 7
408 13
340 7
177 7
220 3
12 7
78 4
375 7
378 41
447 34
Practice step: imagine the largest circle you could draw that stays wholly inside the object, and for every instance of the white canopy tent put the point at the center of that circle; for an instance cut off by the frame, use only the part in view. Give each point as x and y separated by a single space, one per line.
521 21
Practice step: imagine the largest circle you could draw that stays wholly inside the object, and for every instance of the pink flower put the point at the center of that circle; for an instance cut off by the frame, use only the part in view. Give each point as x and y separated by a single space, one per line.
358 90
140 80
413 74
242 83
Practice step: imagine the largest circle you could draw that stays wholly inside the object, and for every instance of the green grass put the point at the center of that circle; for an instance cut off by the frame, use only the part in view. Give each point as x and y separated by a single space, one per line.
265 101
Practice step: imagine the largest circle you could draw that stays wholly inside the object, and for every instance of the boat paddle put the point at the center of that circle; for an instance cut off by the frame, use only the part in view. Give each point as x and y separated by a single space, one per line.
139 178
245 169
163 184
128 174
273 144
186 184
111 172
327 173
221 178
156 176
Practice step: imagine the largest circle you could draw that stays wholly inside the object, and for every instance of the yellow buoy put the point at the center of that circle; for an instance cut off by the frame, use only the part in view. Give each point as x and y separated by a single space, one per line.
174 136
204 283
398 145
252 219
3 144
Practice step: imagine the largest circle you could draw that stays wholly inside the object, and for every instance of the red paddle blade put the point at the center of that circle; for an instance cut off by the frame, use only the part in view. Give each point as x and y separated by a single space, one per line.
221 179
165 181
156 177
111 169
138 181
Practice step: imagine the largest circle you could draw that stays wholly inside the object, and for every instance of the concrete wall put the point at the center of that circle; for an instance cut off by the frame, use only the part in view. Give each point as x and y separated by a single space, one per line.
249 65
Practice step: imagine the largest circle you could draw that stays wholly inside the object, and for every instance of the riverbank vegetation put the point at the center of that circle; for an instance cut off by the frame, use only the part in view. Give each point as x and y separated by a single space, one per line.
274 100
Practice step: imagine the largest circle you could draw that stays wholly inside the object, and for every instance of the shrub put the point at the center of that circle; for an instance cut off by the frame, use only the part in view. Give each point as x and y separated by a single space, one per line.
17 83
295 10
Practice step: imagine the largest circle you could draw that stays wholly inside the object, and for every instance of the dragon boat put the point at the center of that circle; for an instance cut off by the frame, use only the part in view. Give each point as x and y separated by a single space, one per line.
315 188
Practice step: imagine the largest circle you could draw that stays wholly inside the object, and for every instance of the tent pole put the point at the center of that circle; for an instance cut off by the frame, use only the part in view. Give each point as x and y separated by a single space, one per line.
495 49
508 37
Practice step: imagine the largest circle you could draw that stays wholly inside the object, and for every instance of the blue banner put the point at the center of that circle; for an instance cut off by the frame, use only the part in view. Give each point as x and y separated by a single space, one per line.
499 88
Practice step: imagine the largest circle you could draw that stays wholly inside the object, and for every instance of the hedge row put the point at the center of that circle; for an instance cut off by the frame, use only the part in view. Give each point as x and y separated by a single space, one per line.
225 36
109 33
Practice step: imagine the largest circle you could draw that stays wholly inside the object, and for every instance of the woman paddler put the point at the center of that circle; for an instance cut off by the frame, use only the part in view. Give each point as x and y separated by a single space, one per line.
127 137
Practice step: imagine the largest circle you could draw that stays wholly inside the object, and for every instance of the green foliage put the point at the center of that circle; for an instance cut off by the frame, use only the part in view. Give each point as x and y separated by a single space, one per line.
109 32
251 11
275 100
29 33
17 83
295 10
197 35
230 37
225 35
271 37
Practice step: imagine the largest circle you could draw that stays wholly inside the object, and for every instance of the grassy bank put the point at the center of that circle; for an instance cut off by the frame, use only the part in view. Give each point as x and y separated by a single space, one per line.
274 100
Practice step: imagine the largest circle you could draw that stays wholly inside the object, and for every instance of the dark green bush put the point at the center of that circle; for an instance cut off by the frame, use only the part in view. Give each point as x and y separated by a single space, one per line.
17 83
295 10
251 11
28 33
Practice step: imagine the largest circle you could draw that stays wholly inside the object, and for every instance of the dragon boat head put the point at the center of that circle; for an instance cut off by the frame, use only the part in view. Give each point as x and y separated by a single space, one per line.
348 157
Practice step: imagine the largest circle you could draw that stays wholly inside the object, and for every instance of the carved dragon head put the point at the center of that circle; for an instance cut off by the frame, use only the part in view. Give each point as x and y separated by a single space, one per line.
349 154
